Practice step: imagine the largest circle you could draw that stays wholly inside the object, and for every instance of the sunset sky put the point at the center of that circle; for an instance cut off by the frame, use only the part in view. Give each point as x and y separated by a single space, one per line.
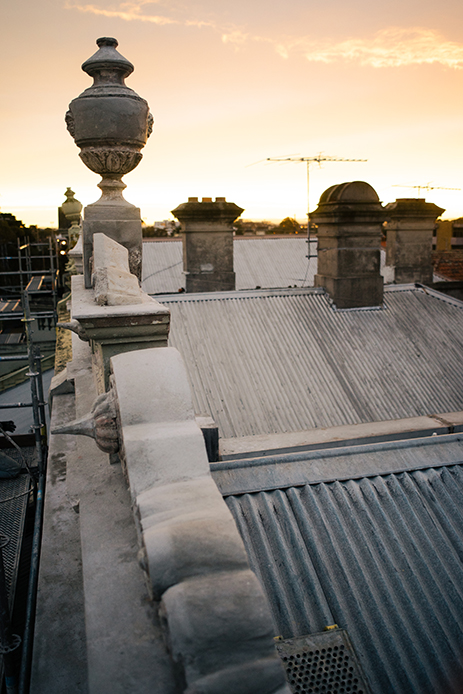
232 83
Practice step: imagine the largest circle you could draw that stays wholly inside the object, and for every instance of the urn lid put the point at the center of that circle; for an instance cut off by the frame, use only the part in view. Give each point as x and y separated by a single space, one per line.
107 57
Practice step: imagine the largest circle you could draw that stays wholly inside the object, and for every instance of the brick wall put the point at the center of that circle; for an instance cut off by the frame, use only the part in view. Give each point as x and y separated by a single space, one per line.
448 264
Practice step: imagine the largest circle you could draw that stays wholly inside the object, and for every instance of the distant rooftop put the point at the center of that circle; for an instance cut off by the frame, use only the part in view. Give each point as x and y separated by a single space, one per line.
259 262
266 262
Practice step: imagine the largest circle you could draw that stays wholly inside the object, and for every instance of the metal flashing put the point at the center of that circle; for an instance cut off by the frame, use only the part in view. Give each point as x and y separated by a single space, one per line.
344 463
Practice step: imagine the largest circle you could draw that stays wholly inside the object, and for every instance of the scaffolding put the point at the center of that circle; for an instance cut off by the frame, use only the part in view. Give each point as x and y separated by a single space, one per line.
16 668
29 256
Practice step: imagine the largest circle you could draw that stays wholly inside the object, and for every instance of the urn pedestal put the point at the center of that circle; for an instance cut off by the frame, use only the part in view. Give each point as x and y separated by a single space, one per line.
111 124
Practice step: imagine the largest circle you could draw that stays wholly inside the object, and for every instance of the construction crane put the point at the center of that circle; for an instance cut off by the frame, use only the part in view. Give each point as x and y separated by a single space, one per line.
427 187
310 160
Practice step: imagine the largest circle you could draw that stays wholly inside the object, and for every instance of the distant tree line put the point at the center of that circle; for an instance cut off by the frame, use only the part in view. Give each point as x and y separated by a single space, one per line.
247 228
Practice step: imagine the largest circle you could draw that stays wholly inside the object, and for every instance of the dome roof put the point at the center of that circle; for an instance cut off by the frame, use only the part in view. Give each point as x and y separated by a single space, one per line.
356 191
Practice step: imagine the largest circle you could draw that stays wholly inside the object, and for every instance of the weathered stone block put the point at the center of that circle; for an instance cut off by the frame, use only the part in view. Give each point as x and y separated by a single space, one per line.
194 544
151 458
216 622
161 504
113 283
158 403
258 677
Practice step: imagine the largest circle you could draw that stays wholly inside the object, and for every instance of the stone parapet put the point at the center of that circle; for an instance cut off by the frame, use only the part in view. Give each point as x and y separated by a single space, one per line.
217 623
115 329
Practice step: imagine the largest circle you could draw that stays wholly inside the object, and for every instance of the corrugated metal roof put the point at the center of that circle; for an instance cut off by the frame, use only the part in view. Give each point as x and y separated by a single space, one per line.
380 556
162 267
259 262
276 361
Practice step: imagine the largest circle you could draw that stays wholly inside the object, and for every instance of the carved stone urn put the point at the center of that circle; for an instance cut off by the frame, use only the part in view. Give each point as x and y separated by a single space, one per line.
111 124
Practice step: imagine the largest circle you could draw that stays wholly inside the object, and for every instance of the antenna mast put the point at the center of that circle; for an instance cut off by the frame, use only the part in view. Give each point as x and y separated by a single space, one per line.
309 160
427 187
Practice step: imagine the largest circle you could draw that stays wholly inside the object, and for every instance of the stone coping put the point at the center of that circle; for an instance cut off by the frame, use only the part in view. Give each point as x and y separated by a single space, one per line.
84 306
412 427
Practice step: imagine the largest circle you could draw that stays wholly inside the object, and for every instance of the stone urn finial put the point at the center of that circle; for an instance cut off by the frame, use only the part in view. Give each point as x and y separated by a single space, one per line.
111 124
109 121
72 208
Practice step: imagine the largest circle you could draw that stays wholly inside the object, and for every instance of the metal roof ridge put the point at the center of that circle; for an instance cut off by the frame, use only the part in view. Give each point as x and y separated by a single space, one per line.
240 294
339 451
337 464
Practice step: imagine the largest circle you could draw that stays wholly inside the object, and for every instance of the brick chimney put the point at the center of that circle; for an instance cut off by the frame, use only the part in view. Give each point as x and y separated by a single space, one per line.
409 231
349 218
207 235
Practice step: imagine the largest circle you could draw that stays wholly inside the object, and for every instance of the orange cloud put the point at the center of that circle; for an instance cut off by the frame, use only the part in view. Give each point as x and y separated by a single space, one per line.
128 11
391 47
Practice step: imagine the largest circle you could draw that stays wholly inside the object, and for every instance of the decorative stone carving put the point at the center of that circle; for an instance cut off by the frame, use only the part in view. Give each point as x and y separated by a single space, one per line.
110 124
100 424
75 327
106 161
72 209
109 121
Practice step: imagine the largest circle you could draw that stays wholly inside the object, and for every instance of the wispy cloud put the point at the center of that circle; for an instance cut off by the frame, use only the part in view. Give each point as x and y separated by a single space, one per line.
391 47
129 12
136 12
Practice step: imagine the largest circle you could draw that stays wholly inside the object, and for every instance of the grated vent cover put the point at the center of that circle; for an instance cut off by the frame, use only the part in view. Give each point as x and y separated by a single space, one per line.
322 663
13 503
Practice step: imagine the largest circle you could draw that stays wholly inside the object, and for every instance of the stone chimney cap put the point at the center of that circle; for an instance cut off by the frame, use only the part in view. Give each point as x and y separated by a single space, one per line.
207 210
412 207
107 57
355 191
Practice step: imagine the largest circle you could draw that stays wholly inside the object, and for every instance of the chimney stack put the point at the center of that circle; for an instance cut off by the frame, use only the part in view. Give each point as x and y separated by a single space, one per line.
207 235
349 218
409 231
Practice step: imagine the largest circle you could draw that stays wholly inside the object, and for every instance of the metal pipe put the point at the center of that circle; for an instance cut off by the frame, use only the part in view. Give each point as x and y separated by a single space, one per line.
26 656
18 357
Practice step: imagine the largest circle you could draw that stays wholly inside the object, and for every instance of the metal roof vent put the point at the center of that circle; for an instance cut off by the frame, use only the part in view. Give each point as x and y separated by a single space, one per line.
322 663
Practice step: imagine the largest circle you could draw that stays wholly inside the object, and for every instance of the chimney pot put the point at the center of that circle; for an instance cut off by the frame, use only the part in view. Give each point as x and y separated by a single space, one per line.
207 200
